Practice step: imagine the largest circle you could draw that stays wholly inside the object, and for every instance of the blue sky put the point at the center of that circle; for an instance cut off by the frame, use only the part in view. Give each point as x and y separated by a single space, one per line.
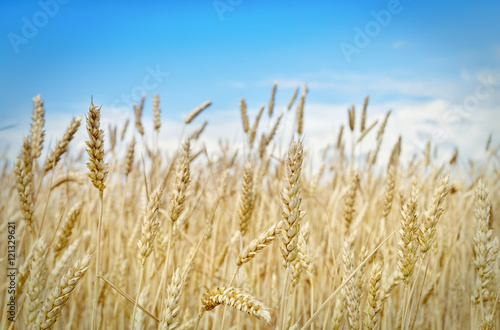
426 58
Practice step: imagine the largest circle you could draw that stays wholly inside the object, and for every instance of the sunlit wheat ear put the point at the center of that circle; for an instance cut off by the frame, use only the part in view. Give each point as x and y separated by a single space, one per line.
431 217
244 116
25 154
427 153
300 111
349 202
389 192
62 145
246 198
36 283
182 179
290 205
380 134
196 134
373 302
339 137
149 226
485 247
408 244
64 233
196 111
25 269
396 152
302 262
258 244
453 159
24 186
156 112
235 298
351 112
366 131
129 158
112 137
363 114
171 308
36 130
124 129
253 131
98 169
60 294
138 114
352 294
271 100
271 135
292 99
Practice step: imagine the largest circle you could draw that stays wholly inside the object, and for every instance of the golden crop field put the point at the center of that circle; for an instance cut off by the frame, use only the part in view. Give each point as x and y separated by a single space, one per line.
246 238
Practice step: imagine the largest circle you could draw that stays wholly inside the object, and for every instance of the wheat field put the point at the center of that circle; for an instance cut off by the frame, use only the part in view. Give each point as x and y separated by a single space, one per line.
127 236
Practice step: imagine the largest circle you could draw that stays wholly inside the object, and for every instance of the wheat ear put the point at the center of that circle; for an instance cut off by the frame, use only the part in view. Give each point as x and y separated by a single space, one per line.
182 179
62 145
138 114
196 111
244 116
485 247
352 116
290 206
427 231
169 316
350 199
98 169
60 294
63 235
408 236
196 134
246 198
258 244
363 114
271 99
124 129
235 298
149 226
156 113
300 111
36 283
374 304
380 134
292 99
24 186
36 130
129 158
253 131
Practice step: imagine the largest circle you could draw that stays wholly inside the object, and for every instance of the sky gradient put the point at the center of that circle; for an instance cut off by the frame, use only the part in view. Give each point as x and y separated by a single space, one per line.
436 65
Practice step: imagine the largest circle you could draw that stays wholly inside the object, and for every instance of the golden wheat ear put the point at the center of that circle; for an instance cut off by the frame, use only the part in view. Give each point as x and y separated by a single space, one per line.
61 293
235 298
